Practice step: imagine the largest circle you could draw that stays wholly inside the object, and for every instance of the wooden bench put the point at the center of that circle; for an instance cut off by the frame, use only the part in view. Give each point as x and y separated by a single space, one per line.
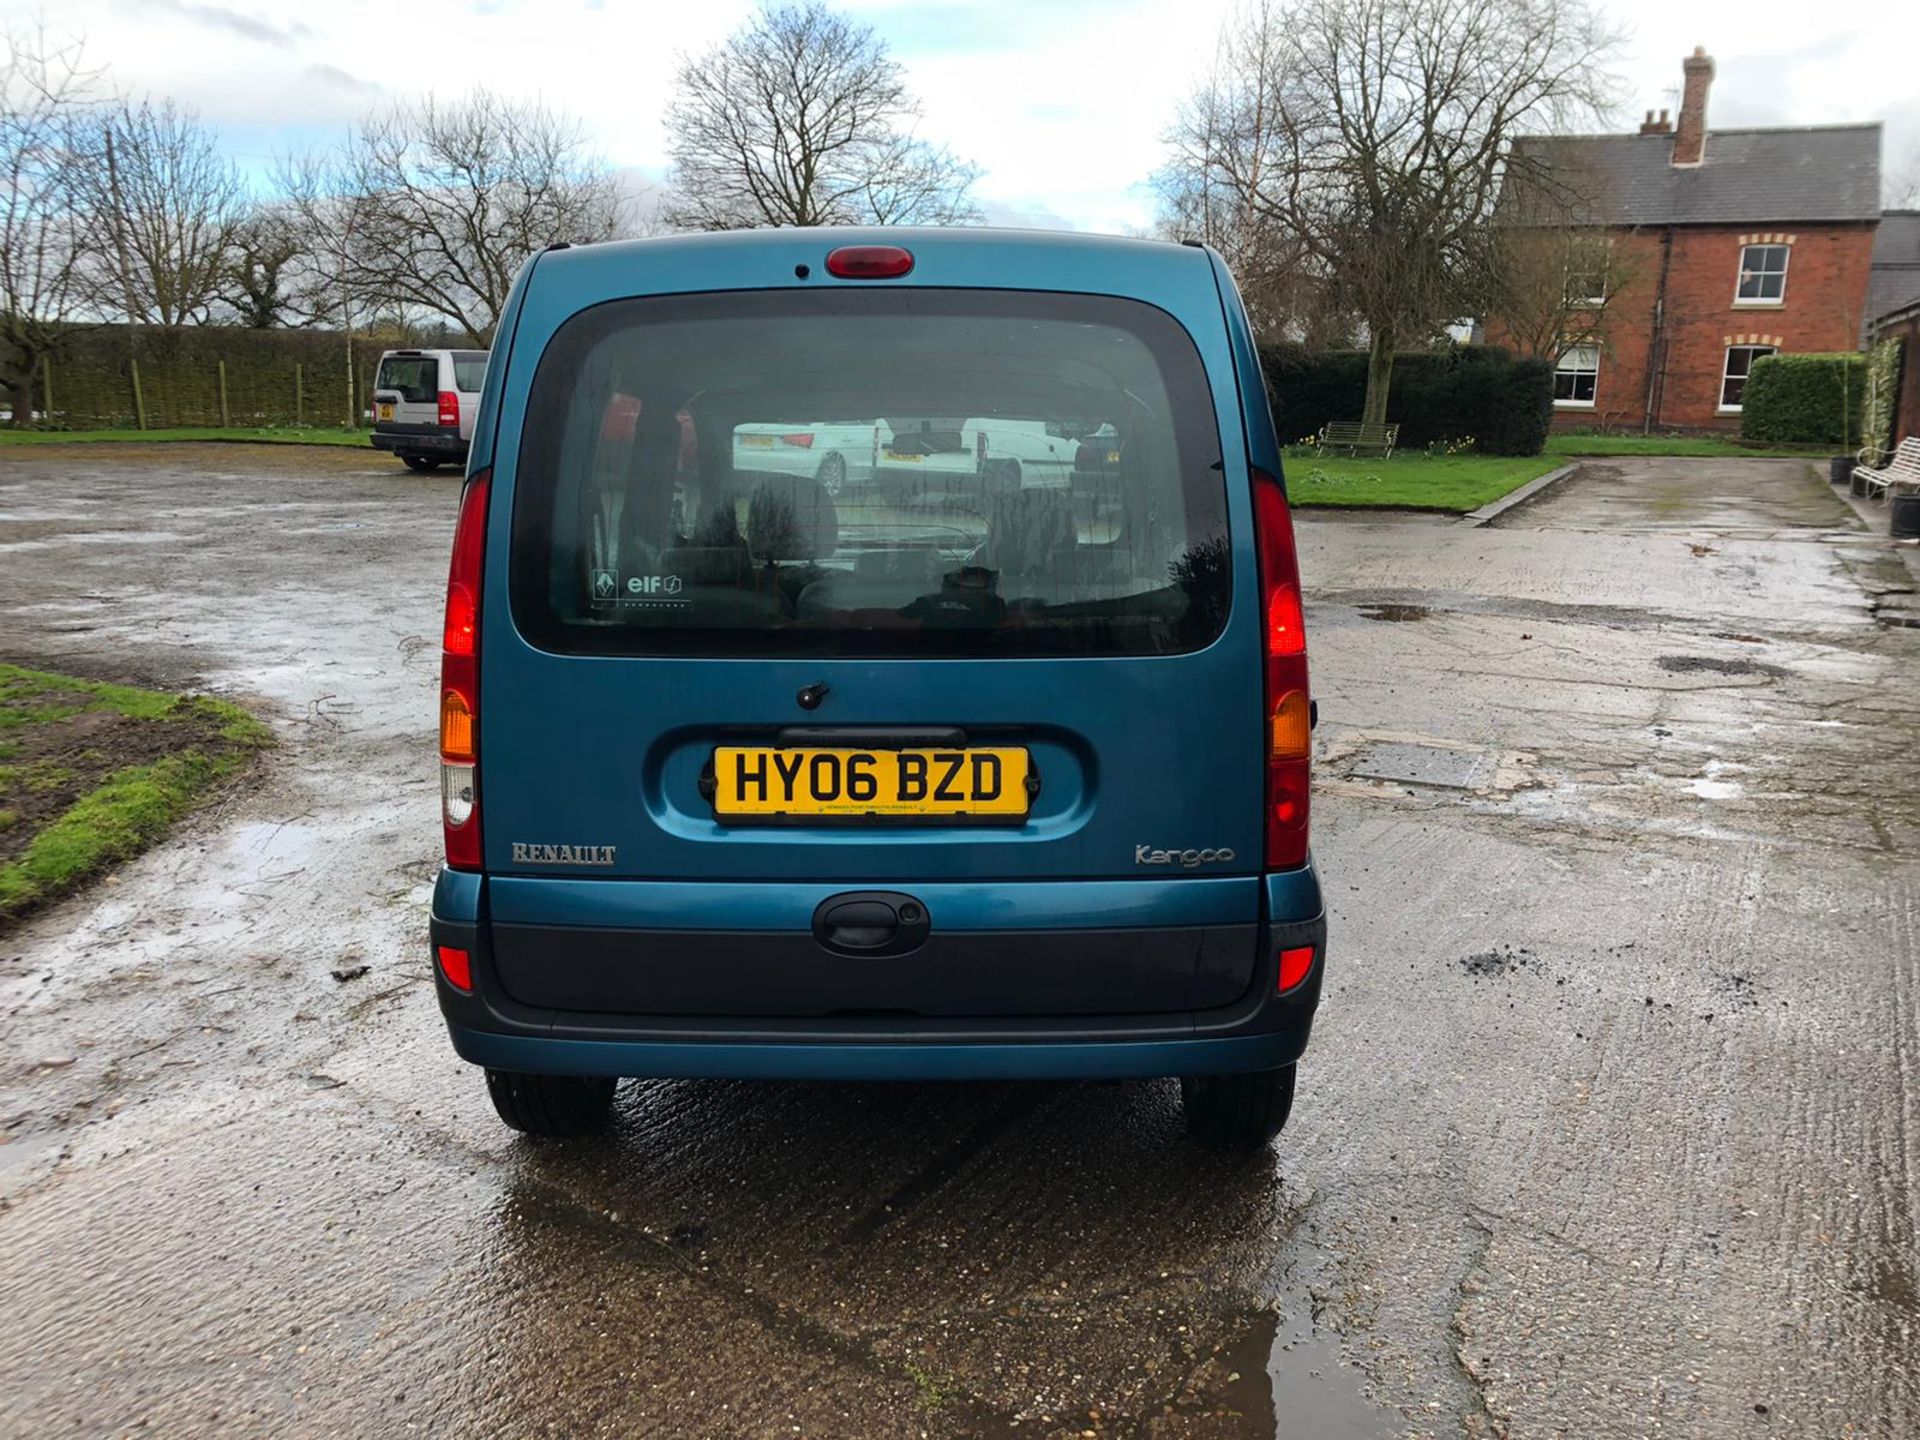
1903 469
1353 436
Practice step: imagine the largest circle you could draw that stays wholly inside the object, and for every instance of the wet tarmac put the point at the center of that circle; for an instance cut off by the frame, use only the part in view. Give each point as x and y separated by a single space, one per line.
1608 1128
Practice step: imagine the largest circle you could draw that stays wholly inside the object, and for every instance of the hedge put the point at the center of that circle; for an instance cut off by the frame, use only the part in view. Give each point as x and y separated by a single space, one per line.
1804 399
273 377
1503 402
1883 387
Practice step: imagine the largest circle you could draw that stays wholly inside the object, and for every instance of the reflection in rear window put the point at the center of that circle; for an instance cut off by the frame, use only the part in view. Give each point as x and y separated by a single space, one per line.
893 473
416 377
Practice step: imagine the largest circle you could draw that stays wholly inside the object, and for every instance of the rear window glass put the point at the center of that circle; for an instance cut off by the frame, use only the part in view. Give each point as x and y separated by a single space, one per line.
892 473
416 377
469 372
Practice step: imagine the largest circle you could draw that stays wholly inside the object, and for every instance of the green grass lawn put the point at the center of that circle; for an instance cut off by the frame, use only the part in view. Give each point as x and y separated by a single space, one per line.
1413 481
270 434
91 774
1564 445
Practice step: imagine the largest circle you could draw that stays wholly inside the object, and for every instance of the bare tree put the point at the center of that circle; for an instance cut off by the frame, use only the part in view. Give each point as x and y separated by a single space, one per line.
1555 283
334 222
801 117
162 205
44 95
262 265
1903 182
1219 143
1384 132
448 200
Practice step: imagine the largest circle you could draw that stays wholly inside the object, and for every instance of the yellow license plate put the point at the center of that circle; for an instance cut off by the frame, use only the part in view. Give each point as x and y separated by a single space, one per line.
760 782
386 412
898 457
756 440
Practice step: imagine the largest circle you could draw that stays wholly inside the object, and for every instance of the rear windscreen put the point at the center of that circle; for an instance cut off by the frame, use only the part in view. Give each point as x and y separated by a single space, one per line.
469 371
416 377
891 473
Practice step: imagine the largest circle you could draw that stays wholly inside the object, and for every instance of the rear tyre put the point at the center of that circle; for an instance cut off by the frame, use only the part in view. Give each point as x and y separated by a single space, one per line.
833 473
421 463
552 1105
1237 1111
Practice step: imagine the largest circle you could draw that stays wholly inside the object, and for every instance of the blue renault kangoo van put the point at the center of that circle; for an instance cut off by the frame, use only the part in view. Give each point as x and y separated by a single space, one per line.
978 749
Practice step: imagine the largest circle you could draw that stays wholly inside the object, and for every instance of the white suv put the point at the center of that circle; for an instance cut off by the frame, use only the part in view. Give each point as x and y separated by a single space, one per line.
424 402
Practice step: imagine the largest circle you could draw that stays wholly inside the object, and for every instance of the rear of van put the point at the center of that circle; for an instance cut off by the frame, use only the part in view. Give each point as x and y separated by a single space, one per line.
741 778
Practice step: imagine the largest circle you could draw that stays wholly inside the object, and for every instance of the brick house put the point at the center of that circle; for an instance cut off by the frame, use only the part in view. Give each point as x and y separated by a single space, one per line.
1705 249
1893 309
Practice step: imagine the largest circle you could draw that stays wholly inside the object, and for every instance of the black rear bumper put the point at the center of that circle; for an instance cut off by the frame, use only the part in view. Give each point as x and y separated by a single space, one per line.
1008 1004
433 440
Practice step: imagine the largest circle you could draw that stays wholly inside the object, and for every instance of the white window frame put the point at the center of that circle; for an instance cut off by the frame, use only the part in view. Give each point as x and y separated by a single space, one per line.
1560 367
1743 302
1580 251
1755 352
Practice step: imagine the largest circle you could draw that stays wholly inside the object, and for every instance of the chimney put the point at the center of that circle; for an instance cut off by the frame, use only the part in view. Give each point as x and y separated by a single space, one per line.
1690 139
1651 126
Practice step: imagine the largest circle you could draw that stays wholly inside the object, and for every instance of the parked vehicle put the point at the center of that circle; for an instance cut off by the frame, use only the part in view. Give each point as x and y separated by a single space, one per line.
737 781
424 403
972 459
838 455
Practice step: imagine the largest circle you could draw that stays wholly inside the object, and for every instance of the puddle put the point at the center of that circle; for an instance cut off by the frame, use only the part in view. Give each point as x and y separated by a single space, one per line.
1709 785
1395 612
1285 1381
1715 789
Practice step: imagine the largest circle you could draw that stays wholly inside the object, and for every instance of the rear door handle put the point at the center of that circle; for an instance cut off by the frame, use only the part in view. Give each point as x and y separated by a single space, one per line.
871 922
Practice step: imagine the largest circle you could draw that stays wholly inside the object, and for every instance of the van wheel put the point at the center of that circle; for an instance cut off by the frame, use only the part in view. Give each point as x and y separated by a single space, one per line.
1240 1111
833 473
551 1104
421 463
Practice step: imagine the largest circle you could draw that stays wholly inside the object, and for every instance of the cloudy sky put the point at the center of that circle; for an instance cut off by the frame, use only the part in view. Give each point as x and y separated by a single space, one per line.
1061 102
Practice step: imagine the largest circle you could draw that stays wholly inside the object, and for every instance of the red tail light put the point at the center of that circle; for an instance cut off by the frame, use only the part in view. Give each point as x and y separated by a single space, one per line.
450 409
801 441
869 262
1294 966
459 681
457 966
1287 733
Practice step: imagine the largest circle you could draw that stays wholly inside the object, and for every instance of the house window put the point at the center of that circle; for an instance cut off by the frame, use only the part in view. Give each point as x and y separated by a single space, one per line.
1587 273
1763 275
1733 379
1576 377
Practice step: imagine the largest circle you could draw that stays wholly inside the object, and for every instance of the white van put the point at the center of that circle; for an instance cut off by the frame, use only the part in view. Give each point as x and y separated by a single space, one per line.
424 402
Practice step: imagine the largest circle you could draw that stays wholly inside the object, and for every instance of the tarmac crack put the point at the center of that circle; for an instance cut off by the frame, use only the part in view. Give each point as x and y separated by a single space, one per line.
1476 1416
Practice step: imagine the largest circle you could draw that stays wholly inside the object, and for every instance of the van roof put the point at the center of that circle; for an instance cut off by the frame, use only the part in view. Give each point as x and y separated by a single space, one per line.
1177 278
928 239
758 259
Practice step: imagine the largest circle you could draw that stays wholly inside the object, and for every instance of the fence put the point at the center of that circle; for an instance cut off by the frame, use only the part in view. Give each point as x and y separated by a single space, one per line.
120 377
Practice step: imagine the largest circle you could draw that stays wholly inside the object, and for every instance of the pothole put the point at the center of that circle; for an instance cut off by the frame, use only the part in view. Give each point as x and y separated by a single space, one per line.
1412 764
1395 613
1714 665
1507 960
